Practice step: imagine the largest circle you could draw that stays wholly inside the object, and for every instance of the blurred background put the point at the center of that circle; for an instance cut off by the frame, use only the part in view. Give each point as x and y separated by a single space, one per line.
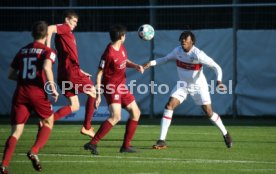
239 35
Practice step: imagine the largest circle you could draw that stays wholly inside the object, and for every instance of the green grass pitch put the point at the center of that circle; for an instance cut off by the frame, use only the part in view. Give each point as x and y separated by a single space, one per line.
192 149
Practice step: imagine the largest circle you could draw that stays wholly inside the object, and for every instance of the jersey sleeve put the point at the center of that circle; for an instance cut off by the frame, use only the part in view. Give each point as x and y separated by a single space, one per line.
105 61
51 55
63 28
206 60
168 57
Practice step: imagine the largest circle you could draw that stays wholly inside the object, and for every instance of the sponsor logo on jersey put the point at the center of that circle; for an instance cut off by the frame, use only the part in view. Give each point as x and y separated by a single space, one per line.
123 65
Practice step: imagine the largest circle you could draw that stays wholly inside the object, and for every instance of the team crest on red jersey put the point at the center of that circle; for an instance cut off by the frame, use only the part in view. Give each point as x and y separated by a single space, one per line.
123 53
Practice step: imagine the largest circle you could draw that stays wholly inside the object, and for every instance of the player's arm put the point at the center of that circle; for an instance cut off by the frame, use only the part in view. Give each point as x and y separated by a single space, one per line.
51 30
47 68
204 59
170 56
85 73
12 75
131 64
98 87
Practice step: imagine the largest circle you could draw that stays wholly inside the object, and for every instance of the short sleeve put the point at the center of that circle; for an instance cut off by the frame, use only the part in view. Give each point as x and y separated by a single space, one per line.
63 28
51 55
102 62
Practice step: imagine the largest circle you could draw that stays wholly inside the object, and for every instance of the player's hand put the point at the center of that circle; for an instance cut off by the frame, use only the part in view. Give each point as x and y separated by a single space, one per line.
221 86
98 101
55 95
140 69
146 65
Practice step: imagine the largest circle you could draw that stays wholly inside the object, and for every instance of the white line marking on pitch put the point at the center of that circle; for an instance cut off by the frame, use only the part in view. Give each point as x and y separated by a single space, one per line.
159 160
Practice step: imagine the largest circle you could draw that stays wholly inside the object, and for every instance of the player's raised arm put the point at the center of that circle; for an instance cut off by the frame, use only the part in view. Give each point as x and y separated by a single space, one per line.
170 56
51 29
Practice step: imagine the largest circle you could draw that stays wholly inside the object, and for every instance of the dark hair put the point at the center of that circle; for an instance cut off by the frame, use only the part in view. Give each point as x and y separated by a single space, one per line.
186 34
116 32
70 14
39 30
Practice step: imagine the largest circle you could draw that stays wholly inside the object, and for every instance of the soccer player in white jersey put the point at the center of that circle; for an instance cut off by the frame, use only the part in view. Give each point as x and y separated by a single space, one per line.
189 61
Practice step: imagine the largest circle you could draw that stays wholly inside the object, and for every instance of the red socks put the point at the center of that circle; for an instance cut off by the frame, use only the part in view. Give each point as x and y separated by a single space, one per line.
62 112
129 133
42 138
9 149
103 130
89 111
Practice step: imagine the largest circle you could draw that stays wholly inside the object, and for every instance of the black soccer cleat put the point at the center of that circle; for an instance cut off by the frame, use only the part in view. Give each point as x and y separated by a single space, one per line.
92 148
127 150
228 140
4 170
35 161
160 144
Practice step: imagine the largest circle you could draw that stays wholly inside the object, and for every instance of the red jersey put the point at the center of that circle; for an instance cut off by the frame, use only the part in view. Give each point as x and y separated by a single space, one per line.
31 78
29 62
113 63
67 52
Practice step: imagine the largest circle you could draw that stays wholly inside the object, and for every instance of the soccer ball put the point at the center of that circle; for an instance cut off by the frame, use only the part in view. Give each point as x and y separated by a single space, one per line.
146 32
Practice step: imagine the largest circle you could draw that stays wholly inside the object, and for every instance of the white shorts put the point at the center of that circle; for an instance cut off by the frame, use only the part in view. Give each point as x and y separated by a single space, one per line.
199 92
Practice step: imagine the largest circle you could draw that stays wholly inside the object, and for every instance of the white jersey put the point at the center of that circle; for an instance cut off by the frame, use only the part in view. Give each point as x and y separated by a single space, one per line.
189 64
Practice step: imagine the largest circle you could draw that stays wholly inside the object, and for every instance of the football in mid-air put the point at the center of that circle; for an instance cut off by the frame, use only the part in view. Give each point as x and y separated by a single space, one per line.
146 32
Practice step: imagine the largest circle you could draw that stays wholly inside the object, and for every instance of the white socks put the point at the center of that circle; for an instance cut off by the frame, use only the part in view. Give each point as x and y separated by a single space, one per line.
165 123
217 121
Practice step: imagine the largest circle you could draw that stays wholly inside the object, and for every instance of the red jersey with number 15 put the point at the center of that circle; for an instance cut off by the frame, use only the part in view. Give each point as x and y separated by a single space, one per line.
29 62
113 63
67 52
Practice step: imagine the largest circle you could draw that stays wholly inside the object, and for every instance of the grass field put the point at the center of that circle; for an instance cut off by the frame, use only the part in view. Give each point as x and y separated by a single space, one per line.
192 149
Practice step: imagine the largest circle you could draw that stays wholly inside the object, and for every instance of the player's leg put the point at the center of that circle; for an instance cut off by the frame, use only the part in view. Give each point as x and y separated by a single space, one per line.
83 84
42 138
216 120
19 114
166 122
106 126
43 134
131 126
87 129
10 145
201 96
178 95
44 110
66 110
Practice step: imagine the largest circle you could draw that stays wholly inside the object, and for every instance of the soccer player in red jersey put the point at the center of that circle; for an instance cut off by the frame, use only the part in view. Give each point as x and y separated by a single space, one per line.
69 71
111 75
31 68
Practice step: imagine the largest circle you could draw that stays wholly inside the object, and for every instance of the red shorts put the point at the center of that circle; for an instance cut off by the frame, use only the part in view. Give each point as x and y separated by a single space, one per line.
25 100
76 82
123 97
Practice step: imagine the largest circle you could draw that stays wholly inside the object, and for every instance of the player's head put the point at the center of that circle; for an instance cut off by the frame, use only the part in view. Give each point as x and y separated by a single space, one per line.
39 30
117 32
71 18
187 40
